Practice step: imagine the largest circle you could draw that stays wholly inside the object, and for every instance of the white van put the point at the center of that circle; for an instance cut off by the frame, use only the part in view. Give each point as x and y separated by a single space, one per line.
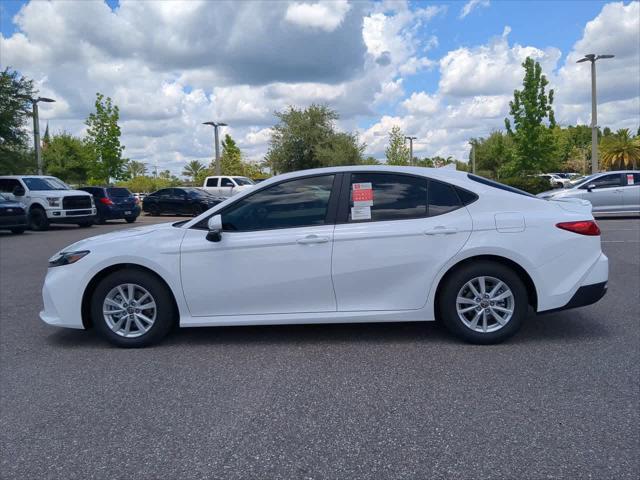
49 200
226 186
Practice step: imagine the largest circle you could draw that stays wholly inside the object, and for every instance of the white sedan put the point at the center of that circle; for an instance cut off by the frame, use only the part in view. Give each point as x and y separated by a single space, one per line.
344 244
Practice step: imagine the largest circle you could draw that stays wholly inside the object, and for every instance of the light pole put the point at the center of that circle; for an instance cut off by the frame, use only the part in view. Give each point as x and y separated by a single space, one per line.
217 144
36 128
411 139
594 110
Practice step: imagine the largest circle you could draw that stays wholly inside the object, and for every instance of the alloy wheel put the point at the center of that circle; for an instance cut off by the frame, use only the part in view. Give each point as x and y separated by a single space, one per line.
485 304
129 310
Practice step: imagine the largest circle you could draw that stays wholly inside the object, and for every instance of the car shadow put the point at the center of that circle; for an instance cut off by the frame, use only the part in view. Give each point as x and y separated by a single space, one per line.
564 327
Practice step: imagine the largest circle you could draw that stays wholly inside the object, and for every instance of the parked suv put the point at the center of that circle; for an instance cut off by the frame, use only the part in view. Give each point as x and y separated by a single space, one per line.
12 215
227 186
114 203
49 200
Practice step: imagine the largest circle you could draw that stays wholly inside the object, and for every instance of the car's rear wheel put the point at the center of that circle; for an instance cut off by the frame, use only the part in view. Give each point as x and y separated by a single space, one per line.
132 308
17 231
153 210
197 210
38 220
130 219
484 302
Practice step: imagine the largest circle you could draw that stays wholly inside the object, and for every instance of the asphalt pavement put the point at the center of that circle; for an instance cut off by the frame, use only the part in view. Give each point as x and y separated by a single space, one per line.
372 401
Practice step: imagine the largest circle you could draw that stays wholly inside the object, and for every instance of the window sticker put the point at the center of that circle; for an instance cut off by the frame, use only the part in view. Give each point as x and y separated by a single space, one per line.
629 178
361 213
362 195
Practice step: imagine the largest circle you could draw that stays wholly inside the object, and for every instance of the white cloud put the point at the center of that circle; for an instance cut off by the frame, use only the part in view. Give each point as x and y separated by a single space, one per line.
326 15
472 5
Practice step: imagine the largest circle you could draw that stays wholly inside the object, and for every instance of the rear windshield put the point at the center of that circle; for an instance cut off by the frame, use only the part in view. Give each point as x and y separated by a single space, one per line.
501 186
118 192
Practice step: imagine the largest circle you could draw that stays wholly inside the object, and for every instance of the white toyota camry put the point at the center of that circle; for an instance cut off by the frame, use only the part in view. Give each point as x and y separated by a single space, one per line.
344 244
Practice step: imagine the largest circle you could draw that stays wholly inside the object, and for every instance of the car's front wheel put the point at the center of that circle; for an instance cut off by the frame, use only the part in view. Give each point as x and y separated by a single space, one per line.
132 308
38 220
483 302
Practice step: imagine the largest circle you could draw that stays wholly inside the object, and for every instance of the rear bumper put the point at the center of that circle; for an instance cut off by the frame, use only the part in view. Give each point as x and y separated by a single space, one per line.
585 295
116 213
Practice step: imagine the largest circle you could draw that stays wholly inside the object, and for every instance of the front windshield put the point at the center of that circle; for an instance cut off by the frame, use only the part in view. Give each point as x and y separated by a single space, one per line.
45 183
243 181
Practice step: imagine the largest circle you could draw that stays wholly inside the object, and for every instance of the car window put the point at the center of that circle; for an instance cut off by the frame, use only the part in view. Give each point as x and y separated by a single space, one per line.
179 193
632 179
8 184
442 198
606 181
212 182
296 203
383 196
165 192
226 182
118 192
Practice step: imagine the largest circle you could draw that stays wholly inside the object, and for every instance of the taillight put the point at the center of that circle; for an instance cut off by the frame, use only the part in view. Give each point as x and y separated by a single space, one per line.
106 201
583 227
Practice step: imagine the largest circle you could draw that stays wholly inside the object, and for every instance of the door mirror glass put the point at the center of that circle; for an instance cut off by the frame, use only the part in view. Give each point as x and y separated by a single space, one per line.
19 191
215 228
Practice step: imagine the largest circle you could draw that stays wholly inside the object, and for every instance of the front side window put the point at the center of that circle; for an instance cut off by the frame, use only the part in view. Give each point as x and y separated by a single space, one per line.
296 203
243 181
606 181
384 196
226 182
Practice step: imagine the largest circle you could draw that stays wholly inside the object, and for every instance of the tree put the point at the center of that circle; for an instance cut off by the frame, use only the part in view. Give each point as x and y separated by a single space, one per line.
533 119
15 108
133 169
494 154
397 152
231 158
620 150
306 138
103 134
193 169
67 157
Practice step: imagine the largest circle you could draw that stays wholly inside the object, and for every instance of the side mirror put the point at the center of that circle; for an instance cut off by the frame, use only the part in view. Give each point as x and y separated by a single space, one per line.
19 191
215 228
591 186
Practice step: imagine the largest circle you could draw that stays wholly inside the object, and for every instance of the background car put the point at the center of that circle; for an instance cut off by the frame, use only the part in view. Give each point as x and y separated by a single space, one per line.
114 203
13 215
226 186
555 181
189 201
609 192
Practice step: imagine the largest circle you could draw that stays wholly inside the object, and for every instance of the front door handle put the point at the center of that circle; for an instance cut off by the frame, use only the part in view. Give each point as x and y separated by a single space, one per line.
311 239
441 230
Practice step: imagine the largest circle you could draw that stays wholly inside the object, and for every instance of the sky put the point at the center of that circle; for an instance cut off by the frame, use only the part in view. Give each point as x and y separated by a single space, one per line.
442 71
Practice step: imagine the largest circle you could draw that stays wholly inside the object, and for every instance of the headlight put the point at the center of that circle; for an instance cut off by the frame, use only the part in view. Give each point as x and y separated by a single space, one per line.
66 258
93 204
53 201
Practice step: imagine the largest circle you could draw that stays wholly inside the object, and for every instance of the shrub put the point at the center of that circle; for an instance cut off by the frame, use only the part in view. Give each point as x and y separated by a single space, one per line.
533 185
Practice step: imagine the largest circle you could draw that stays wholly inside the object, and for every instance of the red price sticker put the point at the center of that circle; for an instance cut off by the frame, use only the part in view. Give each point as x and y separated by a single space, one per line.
362 195
630 179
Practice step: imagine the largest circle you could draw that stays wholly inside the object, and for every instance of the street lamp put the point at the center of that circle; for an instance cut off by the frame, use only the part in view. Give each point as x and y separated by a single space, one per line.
594 113
411 139
217 145
36 127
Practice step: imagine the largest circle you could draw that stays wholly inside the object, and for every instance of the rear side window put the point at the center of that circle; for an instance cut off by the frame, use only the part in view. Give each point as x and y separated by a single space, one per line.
118 192
442 198
212 182
383 196
636 179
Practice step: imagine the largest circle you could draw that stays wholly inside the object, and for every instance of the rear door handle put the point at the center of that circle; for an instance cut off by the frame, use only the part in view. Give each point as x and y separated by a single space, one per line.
311 239
441 230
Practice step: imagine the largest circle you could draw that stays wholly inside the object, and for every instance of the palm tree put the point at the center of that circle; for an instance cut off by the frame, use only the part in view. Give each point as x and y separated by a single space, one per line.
192 169
620 150
135 169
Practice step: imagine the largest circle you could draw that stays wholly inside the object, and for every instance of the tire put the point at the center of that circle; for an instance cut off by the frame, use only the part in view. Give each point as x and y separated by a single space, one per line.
153 210
18 231
145 284
197 210
38 220
130 219
86 224
494 331
100 220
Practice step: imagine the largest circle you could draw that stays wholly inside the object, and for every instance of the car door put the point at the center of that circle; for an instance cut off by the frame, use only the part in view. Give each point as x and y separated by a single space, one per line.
274 255
163 200
212 185
226 186
393 241
631 191
605 193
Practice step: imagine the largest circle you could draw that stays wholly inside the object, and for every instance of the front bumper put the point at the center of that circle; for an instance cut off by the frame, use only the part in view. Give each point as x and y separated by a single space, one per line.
14 221
62 305
70 216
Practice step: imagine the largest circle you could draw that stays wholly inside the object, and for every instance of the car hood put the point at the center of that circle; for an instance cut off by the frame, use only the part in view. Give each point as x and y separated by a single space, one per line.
91 242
